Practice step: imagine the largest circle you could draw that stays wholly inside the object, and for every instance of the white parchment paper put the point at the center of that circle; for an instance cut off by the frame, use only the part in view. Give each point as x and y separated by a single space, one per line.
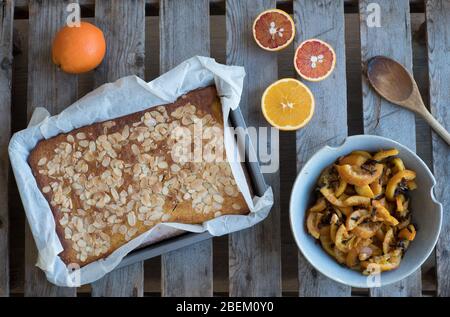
127 95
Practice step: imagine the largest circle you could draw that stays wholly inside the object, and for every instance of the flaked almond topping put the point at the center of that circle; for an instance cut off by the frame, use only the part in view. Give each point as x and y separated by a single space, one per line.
101 190
135 149
165 217
163 164
84 143
236 206
106 161
131 219
42 161
81 136
218 198
92 146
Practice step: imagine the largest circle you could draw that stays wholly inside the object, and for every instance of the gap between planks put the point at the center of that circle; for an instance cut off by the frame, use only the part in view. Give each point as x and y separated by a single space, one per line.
329 123
392 39
6 44
123 24
184 32
47 86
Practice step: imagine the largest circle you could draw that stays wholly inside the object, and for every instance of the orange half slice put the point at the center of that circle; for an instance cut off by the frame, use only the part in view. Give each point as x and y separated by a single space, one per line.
287 104
273 30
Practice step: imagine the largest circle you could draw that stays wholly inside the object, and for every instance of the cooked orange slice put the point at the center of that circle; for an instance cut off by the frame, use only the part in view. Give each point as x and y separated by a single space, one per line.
408 233
396 179
353 159
287 104
411 185
341 188
363 153
358 176
388 240
367 230
334 226
376 188
320 205
330 196
314 60
312 224
326 241
398 165
273 30
379 156
356 218
382 214
357 201
365 191
343 239
382 263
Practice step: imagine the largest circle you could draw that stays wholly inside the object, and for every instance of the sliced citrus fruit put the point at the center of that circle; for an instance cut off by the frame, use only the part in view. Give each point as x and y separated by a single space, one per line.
287 104
314 60
273 30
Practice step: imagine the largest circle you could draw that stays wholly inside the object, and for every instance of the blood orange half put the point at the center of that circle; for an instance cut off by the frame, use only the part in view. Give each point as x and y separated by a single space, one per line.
314 60
273 30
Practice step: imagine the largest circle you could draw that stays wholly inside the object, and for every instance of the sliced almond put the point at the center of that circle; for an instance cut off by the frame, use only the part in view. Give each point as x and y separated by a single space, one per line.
81 136
42 161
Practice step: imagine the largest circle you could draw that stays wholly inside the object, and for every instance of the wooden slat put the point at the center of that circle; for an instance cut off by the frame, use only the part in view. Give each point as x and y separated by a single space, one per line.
6 29
55 90
438 30
23 3
123 23
255 253
392 39
329 124
184 32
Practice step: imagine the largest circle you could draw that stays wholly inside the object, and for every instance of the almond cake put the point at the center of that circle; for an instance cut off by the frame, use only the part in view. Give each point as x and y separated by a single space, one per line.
108 182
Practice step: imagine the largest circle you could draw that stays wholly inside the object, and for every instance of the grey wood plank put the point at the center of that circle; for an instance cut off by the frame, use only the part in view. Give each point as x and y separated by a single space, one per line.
6 59
254 253
392 39
184 32
123 23
438 31
329 123
24 3
55 90
188 271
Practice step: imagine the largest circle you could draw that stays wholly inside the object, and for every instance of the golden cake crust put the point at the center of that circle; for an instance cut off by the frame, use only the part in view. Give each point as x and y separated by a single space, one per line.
108 182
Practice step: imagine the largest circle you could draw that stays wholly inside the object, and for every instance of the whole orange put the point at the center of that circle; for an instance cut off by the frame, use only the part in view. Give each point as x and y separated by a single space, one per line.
79 49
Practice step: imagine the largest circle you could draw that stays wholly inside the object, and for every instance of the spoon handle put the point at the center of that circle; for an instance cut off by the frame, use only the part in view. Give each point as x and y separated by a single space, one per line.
437 127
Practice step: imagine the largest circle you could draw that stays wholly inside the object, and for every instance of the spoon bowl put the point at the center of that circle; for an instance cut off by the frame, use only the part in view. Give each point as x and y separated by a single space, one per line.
382 72
395 83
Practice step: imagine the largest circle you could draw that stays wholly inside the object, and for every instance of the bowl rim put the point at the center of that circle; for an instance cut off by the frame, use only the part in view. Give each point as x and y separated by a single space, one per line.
433 198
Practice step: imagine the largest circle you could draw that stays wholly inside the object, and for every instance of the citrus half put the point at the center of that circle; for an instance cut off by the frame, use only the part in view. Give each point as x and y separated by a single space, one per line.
287 104
273 30
314 60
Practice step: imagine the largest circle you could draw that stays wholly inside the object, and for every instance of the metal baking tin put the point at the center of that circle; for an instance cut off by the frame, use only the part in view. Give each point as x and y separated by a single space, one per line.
257 183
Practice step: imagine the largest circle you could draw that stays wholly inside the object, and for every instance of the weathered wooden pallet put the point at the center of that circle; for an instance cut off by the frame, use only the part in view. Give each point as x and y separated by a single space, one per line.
254 256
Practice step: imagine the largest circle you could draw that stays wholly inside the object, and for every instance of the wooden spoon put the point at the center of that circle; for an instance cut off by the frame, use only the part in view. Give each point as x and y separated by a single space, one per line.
396 84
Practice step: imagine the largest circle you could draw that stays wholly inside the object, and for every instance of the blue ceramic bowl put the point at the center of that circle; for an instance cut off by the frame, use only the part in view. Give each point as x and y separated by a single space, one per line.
426 213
